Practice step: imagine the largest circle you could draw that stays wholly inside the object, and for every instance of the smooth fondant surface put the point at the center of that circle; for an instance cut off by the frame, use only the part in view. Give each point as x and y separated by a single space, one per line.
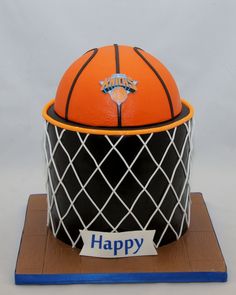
80 97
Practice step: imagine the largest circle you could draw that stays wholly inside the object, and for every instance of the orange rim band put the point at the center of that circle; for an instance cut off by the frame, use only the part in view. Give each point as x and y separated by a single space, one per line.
104 131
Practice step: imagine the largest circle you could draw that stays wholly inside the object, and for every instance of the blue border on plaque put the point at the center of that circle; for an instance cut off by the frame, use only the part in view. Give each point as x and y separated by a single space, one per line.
116 278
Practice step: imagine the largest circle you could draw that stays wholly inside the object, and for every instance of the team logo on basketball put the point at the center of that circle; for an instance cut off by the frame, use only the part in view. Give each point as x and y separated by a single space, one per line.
118 86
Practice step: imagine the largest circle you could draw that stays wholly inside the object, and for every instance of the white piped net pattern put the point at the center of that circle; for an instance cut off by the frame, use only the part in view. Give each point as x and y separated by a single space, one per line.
56 182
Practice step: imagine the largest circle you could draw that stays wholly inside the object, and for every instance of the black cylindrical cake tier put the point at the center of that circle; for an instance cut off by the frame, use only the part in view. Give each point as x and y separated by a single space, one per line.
118 183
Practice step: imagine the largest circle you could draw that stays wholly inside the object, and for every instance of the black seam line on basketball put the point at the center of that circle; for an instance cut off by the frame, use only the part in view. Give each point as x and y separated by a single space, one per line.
159 78
117 58
119 106
76 79
89 50
138 48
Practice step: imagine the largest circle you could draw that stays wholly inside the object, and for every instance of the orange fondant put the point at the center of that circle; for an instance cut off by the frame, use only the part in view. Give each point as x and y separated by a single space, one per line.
89 105
66 82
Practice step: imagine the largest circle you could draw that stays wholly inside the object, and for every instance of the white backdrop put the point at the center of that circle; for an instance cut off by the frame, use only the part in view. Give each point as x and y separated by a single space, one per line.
196 40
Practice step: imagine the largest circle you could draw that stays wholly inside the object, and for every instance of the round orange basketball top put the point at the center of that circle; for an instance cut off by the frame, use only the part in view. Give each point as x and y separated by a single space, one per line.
117 86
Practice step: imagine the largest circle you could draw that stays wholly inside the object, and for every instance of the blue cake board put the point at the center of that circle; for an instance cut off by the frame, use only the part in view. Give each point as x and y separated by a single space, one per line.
42 259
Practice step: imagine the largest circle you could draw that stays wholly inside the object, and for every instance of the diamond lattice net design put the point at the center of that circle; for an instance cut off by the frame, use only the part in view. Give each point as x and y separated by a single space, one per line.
118 183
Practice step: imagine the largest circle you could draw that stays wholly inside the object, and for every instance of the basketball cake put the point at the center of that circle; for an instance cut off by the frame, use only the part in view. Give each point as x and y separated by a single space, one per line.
118 147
